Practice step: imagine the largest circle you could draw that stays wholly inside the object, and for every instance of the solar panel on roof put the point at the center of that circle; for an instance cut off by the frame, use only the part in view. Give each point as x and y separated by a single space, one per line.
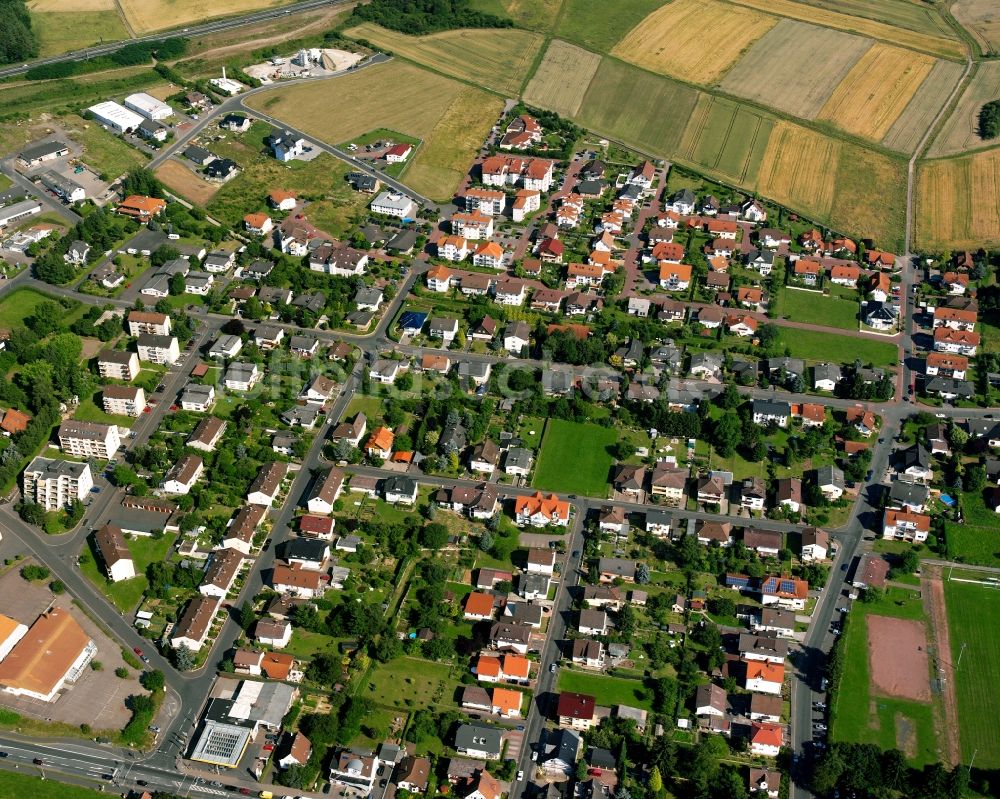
788 586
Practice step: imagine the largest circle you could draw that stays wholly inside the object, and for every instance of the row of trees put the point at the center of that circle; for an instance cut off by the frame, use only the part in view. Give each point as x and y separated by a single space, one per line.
417 17
17 38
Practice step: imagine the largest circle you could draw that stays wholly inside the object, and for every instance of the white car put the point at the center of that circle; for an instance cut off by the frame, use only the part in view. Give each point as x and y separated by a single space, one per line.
520 776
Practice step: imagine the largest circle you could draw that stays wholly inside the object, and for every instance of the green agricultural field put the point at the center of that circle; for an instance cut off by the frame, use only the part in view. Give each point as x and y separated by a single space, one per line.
599 25
607 690
125 594
627 104
728 138
60 32
815 346
411 683
817 309
972 613
977 538
575 458
859 717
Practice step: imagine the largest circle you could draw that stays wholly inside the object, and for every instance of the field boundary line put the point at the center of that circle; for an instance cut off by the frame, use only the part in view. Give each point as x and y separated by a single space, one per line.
750 149
124 18
725 139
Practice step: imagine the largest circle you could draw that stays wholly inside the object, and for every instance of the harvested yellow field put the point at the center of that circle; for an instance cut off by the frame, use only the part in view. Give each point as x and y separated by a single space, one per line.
910 126
64 6
935 45
876 90
870 200
186 183
549 88
672 40
497 58
784 69
957 201
799 169
982 19
146 16
451 118
961 131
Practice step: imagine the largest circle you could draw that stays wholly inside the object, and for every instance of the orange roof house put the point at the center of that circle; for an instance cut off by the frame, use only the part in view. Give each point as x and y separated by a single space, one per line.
763 733
278 196
768 672
488 667
14 421
515 667
277 665
139 207
679 273
381 439
540 510
507 702
807 266
479 605
880 258
668 251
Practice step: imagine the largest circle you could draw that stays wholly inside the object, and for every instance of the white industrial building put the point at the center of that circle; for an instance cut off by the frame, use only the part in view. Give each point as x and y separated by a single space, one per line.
116 117
148 106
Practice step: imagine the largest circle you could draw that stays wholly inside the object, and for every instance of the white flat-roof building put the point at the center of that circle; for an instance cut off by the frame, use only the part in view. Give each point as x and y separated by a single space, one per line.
391 203
148 106
116 117
15 212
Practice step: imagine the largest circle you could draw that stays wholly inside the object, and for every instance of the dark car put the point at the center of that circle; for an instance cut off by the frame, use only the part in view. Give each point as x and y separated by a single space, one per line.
37 761
843 567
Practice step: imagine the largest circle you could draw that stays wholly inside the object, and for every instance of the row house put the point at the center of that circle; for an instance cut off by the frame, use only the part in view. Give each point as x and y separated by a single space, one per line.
532 173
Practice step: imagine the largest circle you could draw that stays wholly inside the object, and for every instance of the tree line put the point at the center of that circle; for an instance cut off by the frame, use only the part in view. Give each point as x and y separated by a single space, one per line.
417 17
17 38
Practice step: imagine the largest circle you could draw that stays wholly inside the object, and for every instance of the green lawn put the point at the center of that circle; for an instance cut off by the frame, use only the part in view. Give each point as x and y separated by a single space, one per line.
91 409
371 407
973 611
125 595
815 346
575 458
817 309
600 25
977 539
412 683
857 715
305 644
607 691
17 786
19 305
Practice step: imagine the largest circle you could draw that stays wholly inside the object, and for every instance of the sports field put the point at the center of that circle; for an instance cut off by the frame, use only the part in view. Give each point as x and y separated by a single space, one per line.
911 124
817 309
727 138
957 201
811 345
972 611
645 111
874 93
498 58
575 458
451 118
942 43
598 24
549 88
671 40
146 16
781 69
177 177
799 169
862 714
981 19
960 131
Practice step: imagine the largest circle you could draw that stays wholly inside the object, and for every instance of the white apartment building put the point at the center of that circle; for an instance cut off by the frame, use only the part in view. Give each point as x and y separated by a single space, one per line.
53 484
89 439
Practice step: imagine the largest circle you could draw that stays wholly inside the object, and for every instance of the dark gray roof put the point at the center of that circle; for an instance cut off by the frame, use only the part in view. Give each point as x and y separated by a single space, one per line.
478 737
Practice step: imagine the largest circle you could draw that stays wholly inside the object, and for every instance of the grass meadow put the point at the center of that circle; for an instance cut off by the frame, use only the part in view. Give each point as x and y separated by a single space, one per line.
607 690
575 458
816 346
809 306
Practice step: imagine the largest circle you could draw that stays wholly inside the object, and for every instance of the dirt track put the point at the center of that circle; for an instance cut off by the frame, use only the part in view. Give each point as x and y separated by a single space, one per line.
933 592
897 655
